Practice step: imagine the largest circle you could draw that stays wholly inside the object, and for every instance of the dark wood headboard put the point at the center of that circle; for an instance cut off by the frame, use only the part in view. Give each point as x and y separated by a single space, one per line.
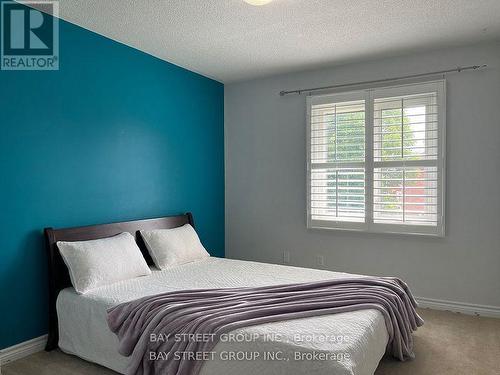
58 272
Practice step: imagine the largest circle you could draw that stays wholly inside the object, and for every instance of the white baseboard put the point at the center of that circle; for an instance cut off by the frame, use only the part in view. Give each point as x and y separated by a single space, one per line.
459 307
23 349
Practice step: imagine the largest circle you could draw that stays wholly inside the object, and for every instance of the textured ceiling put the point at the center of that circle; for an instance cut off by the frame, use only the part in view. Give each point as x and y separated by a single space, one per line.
229 40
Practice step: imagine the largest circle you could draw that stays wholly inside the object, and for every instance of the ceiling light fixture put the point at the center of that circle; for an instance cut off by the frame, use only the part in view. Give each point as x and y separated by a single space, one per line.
257 2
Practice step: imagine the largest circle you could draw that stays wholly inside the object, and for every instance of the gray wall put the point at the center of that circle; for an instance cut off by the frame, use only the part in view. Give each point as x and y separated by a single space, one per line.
265 180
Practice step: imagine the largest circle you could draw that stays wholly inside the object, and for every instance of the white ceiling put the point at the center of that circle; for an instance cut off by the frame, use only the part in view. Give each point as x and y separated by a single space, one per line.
229 40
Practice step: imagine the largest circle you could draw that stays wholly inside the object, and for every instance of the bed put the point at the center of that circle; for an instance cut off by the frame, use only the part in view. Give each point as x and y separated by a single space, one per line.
78 322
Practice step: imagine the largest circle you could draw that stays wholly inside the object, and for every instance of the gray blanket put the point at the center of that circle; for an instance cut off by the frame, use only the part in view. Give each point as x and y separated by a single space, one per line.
201 316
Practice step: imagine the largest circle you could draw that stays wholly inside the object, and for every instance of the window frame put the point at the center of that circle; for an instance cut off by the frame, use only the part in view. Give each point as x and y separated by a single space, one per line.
369 95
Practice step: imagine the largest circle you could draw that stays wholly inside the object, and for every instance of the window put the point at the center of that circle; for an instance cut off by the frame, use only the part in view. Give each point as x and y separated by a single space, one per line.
376 159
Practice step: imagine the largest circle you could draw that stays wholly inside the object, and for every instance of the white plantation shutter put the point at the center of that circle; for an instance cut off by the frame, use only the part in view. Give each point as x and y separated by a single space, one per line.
337 159
376 159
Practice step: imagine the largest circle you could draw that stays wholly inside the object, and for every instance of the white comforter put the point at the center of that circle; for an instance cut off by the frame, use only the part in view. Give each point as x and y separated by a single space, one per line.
354 342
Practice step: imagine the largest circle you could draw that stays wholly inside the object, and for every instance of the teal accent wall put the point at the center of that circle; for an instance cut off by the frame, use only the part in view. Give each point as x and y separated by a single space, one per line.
114 135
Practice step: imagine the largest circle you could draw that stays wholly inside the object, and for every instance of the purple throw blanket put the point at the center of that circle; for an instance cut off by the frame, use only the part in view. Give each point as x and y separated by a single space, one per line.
214 312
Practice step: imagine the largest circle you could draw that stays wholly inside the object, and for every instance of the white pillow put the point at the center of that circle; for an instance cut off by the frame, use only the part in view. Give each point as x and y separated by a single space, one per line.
100 262
174 246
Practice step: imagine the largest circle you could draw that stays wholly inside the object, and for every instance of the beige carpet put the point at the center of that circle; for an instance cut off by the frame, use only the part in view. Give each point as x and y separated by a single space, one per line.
448 344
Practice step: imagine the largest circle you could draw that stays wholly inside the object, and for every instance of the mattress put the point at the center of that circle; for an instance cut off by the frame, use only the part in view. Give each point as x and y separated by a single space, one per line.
345 343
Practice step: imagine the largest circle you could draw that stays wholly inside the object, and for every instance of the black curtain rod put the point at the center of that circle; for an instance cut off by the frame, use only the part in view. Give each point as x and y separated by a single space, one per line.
458 69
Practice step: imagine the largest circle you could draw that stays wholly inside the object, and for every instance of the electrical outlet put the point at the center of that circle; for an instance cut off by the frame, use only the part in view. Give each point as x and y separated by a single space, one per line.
286 257
320 260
